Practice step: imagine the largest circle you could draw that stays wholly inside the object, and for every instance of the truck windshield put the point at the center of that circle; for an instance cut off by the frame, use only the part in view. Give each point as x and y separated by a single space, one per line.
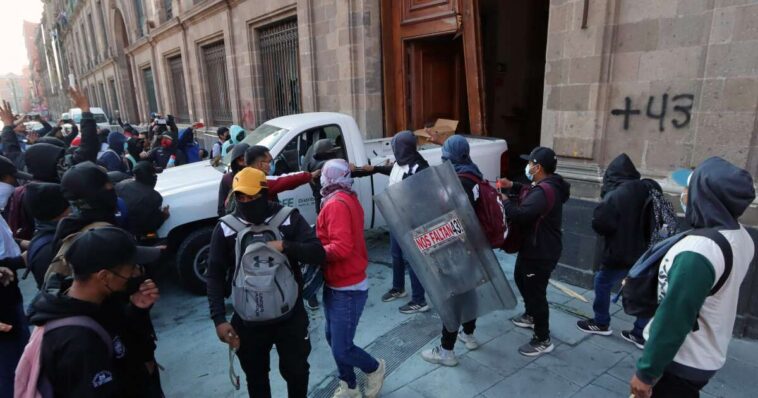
266 134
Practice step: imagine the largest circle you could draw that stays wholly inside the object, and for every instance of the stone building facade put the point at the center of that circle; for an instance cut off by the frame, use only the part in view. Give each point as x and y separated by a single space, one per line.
193 58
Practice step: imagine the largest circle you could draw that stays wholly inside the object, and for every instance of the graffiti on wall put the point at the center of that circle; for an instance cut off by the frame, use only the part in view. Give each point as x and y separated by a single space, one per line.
680 107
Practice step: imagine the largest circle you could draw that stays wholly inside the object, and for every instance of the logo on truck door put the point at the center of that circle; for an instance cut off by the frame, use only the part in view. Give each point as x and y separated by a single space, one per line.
439 235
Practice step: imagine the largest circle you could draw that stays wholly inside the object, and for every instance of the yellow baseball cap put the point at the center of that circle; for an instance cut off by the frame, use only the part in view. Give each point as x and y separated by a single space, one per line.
249 181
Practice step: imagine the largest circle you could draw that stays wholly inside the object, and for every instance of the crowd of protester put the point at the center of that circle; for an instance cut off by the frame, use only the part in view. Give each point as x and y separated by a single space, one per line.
76 200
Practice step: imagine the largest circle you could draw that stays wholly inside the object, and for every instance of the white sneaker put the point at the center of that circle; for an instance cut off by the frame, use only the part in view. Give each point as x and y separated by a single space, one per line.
469 340
344 392
375 380
440 356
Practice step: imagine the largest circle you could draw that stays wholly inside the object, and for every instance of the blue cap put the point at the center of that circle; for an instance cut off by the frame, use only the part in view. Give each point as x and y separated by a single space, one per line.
682 177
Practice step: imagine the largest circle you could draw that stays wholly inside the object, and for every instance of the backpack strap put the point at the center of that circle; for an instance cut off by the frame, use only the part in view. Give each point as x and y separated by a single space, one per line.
471 177
85 322
726 249
280 217
549 197
233 222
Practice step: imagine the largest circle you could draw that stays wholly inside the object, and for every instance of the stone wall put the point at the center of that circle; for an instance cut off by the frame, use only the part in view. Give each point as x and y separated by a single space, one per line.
670 83
606 85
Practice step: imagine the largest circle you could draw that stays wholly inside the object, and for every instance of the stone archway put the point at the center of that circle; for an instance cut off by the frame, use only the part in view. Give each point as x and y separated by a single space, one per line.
124 62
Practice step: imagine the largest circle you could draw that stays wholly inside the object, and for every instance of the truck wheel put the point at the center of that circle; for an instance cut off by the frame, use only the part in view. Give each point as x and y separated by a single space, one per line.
192 259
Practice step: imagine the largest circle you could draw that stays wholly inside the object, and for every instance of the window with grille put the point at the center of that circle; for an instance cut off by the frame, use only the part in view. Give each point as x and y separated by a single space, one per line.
179 94
152 103
218 105
280 69
114 96
104 100
140 16
169 9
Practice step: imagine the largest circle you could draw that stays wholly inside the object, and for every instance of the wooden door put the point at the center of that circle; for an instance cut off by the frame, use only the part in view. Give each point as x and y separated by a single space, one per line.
437 82
407 25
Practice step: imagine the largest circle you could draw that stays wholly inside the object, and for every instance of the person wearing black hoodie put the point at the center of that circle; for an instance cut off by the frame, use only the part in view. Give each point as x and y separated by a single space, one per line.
408 162
236 163
168 147
621 221
106 280
46 204
93 198
254 341
113 158
539 215
143 202
43 161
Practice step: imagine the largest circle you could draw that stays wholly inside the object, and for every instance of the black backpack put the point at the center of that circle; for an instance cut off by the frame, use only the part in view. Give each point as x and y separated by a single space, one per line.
659 213
639 291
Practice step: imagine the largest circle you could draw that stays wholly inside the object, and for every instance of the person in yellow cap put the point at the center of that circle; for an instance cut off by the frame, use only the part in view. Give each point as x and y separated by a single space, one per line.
285 325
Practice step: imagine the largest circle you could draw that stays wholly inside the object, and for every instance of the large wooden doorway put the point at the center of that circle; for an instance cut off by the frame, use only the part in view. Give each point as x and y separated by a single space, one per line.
437 81
432 64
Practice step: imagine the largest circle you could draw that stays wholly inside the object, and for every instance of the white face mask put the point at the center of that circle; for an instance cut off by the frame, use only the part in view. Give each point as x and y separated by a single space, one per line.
527 172
6 190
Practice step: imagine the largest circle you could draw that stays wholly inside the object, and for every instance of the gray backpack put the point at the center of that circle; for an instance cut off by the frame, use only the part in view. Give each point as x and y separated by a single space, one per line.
264 288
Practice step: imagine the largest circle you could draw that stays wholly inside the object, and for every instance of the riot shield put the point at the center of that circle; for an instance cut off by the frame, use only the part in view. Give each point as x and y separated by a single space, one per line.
432 219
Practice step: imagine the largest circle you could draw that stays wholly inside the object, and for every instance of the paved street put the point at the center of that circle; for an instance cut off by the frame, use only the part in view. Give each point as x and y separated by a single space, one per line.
196 363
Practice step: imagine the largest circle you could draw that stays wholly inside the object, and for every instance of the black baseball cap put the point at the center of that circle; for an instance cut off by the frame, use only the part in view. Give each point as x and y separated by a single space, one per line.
544 157
8 168
107 248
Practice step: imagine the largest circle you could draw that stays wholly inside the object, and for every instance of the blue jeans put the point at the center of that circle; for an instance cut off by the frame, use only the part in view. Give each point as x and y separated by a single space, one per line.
11 347
398 273
605 279
342 310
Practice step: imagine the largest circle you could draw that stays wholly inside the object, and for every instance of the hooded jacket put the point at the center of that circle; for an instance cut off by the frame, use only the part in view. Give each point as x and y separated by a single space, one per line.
719 193
74 357
226 181
236 135
543 243
112 159
144 206
188 146
42 161
160 155
408 161
619 218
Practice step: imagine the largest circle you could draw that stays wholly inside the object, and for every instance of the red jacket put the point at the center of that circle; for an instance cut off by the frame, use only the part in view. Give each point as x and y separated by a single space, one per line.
286 182
340 229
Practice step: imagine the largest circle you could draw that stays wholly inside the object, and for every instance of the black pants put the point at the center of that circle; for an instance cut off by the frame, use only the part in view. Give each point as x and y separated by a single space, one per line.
448 338
674 386
292 344
531 279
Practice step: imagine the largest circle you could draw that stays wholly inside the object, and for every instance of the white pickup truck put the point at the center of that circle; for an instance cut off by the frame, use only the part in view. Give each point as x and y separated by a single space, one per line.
192 190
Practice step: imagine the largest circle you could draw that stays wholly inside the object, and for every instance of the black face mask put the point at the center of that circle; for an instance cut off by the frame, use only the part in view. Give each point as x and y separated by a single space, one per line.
133 284
255 211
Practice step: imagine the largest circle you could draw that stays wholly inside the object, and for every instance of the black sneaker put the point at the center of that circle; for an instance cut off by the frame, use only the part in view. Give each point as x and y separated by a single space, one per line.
393 294
412 308
523 321
638 341
589 326
536 347
312 303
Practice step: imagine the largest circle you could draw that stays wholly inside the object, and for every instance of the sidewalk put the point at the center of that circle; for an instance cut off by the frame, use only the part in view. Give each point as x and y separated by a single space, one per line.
196 363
